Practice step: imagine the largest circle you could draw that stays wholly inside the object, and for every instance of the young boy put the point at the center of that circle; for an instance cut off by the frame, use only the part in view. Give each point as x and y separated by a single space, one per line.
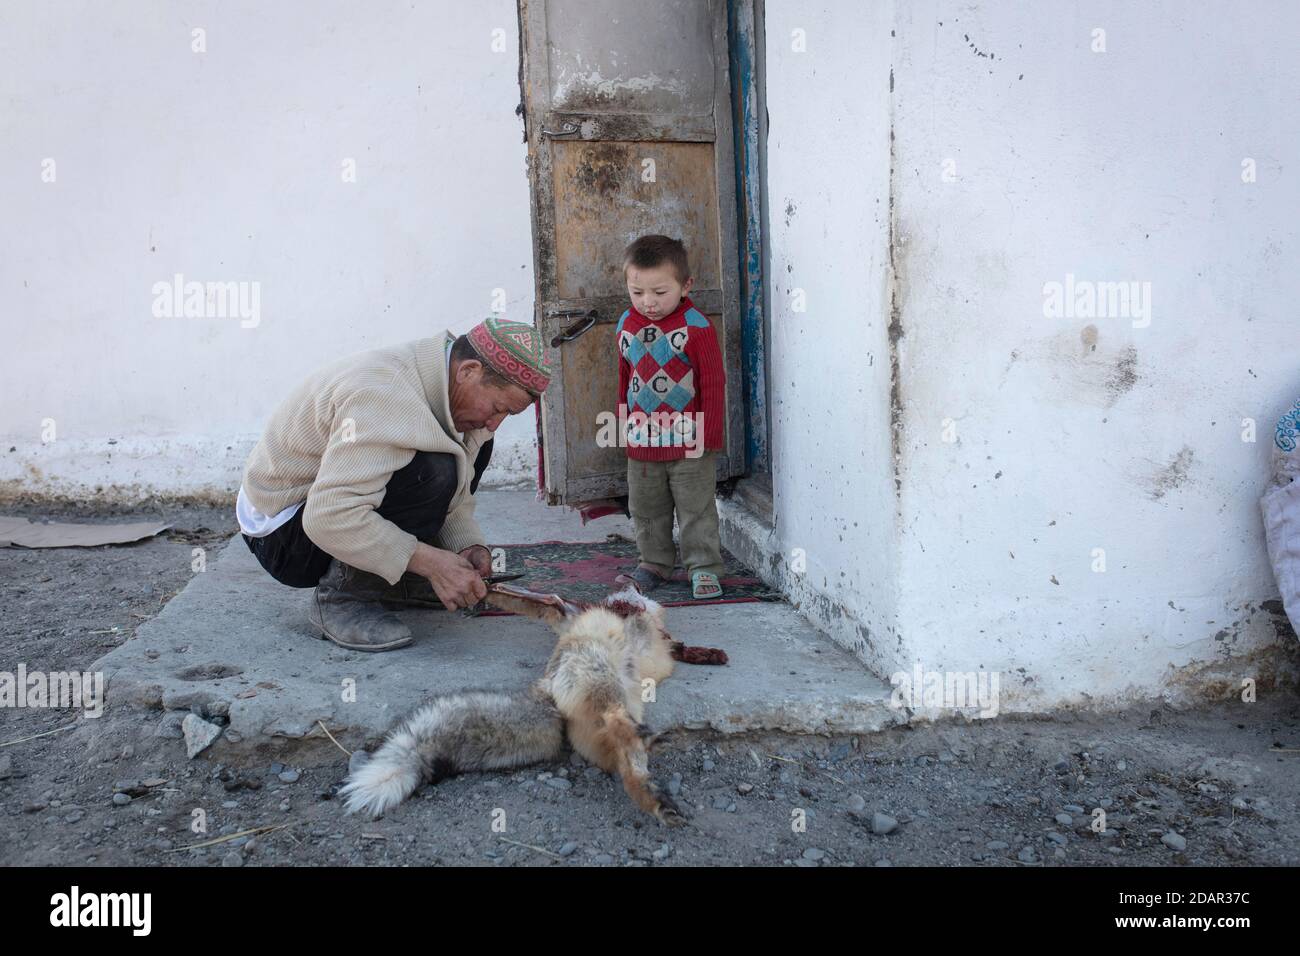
670 387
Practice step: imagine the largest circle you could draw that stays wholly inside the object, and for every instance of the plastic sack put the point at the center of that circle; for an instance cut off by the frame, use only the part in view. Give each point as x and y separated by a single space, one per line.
1280 505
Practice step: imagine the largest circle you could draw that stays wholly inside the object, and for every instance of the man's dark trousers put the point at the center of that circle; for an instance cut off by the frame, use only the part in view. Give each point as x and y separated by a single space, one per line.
415 499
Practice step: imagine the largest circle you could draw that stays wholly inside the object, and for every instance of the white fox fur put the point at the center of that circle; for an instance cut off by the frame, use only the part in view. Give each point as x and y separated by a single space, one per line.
523 731
590 691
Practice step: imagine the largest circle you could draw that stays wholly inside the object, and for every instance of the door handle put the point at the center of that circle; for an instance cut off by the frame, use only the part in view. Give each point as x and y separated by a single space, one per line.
582 327
567 129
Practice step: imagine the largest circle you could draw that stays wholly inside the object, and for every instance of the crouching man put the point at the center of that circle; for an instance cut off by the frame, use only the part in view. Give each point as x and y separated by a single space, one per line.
362 485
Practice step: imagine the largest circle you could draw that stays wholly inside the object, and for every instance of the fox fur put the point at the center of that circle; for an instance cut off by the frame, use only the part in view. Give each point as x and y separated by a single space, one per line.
590 693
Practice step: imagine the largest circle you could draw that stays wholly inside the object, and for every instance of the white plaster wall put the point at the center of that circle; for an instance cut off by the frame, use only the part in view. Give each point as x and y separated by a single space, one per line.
226 166
828 189
1115 166
1123 165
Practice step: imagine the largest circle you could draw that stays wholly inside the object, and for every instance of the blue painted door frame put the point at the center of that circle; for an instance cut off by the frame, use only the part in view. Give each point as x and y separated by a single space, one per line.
746 103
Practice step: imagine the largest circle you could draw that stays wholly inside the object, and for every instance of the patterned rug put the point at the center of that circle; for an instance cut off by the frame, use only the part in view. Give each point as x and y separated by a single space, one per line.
585 571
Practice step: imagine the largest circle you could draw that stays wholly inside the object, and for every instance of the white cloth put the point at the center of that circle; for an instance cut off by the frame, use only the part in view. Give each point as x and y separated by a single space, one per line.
257 525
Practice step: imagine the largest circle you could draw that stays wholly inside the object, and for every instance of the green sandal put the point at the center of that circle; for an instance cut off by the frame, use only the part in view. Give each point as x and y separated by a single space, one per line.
704 584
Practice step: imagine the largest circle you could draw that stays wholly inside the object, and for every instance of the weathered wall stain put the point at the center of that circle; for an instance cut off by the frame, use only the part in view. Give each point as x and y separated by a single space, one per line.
1089 338
594 92
1077 366
1124 374
1173 475
600 168
1281 623
896 281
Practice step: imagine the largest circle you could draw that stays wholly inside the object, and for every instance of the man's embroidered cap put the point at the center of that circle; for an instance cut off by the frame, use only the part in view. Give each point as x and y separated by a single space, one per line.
513 350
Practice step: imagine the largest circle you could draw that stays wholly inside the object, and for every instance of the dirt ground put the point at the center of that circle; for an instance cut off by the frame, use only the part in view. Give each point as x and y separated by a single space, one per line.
1215 786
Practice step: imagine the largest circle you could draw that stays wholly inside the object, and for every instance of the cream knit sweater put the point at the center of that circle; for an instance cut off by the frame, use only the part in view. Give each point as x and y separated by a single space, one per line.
339 436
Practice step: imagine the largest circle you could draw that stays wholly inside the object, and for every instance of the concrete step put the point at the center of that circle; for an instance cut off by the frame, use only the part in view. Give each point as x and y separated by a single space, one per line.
235 643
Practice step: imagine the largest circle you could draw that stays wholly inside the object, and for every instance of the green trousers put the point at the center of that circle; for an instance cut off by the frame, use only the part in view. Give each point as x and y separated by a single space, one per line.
654 490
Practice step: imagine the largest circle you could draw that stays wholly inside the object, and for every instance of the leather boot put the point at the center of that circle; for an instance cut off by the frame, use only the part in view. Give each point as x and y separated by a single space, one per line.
414 590
347 609
411 590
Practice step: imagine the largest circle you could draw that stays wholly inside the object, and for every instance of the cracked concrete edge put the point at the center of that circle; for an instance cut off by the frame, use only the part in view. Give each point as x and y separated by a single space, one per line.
250 732
861 715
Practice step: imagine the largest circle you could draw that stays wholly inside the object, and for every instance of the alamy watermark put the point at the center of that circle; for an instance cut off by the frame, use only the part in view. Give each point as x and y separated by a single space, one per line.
57 689
179 299
662 429
1085 299
949 690
76 908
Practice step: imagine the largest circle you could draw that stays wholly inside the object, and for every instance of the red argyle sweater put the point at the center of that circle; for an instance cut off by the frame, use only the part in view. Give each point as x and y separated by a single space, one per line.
669 375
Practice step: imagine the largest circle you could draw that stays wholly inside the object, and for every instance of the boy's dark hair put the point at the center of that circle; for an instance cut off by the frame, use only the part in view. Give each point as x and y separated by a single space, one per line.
462 350
650 251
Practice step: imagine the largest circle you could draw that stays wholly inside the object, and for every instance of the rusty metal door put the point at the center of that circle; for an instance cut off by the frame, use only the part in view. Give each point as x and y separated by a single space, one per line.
627 112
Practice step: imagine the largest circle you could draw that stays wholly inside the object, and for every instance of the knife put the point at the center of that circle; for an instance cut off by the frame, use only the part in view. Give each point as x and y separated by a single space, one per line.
481 606
498 578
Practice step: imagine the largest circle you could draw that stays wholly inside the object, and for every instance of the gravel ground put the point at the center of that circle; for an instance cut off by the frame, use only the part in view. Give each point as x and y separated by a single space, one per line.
1213 786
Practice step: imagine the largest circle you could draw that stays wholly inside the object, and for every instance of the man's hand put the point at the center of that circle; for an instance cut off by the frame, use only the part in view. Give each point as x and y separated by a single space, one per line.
480 557
455 580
